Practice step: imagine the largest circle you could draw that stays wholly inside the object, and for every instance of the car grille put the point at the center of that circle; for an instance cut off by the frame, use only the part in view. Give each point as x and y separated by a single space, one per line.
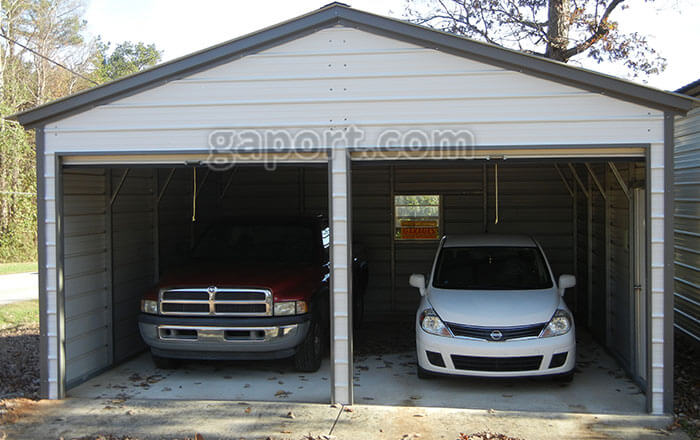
476 363
213 301
465 331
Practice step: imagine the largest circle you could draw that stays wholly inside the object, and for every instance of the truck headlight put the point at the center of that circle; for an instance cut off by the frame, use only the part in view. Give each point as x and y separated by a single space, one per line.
286 308
431 323
560 324
149 306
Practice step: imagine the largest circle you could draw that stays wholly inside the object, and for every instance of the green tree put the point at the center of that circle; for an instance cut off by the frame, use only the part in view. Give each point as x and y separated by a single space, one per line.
556 29
44 56
127 58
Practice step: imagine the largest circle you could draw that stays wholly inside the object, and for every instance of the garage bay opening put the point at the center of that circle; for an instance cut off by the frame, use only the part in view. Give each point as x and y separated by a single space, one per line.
520 235
195 282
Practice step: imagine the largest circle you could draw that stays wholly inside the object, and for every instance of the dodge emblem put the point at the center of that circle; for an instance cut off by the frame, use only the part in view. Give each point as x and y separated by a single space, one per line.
211 289
496 335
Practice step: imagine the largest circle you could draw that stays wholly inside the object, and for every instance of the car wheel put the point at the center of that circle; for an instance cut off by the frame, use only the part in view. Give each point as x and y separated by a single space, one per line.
309 352
564 378
164 363
422 373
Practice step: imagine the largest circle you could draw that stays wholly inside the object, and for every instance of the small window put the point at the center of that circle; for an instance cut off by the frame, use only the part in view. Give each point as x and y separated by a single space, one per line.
417 217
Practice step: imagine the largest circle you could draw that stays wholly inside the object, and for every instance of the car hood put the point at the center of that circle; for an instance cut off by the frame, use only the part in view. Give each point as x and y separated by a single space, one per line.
287 282
494 308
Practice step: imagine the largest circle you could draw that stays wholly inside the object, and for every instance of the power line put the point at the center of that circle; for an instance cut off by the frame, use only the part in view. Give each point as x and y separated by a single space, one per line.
20 193
48 59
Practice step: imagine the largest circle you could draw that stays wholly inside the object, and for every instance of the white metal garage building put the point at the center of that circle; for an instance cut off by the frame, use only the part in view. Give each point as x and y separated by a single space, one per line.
580 160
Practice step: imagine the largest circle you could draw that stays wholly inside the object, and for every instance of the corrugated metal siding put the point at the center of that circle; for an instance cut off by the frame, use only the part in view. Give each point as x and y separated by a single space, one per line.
687 224
243 191
174 214
532 200
133 263
599 281
87 305
342 76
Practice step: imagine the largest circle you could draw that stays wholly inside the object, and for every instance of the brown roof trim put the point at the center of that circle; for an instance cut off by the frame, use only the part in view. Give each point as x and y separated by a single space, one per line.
338 13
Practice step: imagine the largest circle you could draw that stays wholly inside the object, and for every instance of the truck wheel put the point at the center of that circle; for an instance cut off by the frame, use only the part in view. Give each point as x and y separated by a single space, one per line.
309 352
164 363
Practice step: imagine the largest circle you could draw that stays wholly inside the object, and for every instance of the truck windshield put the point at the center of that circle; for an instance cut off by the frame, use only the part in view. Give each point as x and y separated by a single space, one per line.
258 243
491 268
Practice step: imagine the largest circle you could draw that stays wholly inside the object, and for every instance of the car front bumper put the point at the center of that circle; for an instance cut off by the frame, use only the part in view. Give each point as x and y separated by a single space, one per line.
489 359
223 338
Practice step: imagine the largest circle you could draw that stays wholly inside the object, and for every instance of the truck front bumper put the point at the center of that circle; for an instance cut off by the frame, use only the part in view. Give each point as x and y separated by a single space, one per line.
223 338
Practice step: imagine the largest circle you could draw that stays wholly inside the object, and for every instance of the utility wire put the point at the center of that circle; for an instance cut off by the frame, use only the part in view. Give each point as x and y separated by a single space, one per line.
20 193
48 59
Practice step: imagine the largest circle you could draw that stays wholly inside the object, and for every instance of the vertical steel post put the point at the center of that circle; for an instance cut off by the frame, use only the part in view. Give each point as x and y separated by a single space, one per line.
341 277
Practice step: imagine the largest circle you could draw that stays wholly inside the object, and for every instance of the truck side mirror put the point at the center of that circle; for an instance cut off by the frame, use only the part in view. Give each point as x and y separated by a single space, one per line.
417 280
566 281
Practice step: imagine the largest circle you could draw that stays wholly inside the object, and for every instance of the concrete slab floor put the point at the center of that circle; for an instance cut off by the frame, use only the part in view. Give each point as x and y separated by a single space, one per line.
167 419
198 380
599 386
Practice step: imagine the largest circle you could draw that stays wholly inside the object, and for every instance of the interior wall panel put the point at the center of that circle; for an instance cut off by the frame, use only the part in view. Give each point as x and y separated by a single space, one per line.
133 260
87 304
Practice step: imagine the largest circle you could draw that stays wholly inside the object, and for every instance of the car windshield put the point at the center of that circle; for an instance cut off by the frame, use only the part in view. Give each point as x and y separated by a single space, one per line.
258 243
491 268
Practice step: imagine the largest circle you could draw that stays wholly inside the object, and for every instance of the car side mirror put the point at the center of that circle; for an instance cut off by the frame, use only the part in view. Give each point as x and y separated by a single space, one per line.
566 281
417 280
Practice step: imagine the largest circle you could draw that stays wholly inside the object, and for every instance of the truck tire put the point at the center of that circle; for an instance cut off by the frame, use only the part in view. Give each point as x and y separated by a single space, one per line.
164 363
310 351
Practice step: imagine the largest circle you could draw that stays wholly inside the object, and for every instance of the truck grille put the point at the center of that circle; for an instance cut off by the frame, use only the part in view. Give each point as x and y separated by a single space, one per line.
213 301
465 331
477 363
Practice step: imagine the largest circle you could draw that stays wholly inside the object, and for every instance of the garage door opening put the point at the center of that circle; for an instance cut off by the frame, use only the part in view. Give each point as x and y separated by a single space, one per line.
127 229
589 219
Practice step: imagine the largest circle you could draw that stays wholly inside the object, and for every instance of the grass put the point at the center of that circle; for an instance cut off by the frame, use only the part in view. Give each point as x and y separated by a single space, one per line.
8 268
19 313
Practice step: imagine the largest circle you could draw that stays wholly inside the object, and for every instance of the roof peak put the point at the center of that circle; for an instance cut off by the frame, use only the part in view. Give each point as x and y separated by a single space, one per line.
334 4
337 13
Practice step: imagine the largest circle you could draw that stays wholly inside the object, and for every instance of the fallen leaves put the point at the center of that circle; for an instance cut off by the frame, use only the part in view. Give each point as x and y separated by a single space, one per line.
486 436
283 394
19 362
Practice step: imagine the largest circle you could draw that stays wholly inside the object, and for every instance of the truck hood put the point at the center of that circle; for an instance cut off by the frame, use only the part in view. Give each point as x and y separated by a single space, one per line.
287 282
494 308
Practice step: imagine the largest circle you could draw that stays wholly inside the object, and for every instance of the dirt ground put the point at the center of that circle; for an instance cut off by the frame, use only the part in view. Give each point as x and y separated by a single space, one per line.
19 362
686 390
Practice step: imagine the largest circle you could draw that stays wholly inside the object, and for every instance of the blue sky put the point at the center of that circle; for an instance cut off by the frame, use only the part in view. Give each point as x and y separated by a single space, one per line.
180 27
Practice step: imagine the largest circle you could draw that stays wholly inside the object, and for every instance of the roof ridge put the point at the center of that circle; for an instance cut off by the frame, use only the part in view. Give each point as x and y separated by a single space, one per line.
340 13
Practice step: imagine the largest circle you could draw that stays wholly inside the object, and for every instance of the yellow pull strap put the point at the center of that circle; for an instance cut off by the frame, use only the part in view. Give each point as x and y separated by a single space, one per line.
194 194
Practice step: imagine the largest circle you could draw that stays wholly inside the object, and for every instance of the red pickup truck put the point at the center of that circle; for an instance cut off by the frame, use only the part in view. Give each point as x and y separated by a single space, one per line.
250 288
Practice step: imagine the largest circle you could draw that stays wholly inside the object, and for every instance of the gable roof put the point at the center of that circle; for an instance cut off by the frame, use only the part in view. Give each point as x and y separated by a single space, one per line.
341 14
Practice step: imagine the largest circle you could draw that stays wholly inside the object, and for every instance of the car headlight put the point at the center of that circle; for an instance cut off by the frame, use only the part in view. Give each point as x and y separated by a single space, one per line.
560 324
149 306
431 323
283 308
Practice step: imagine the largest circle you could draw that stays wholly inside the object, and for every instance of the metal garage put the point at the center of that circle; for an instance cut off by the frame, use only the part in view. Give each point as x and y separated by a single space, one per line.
687 219
382 108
